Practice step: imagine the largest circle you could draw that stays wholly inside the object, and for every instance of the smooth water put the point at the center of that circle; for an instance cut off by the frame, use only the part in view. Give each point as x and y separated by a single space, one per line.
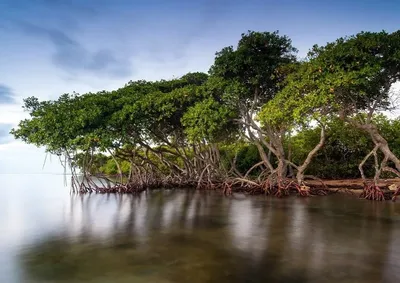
47 235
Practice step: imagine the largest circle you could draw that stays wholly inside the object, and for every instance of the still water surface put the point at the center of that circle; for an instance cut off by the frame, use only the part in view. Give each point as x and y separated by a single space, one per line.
47 235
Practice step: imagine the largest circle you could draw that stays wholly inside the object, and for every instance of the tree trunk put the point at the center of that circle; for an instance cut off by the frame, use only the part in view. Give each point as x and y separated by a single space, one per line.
276 147
281 170
380 141
264 156
302 168
118 166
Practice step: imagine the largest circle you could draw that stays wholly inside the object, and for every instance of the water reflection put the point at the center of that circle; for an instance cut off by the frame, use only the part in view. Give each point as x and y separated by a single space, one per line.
182 236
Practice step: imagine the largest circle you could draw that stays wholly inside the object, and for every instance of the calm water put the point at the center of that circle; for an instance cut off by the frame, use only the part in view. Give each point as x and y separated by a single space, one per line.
47 235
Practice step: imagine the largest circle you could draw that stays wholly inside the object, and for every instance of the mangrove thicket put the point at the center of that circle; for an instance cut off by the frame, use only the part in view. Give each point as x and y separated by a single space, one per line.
261 121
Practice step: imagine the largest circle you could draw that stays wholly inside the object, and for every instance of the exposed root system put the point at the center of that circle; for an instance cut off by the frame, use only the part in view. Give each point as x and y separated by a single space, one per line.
373 192
281 188
271 186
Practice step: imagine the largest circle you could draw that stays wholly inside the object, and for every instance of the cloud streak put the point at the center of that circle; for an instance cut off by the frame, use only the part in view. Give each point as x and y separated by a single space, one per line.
71 56
76 6
6 95
205 15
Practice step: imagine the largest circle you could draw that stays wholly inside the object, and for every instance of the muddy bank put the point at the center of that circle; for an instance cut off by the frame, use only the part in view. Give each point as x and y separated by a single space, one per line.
356 184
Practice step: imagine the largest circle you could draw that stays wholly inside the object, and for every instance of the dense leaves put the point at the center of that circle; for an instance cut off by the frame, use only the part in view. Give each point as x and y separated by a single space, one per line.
257 63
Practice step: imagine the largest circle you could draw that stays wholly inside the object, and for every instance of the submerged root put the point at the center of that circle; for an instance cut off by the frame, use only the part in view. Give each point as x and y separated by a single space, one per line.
287 186
292 186
270 185
396 190
281 192
304 191
301 190
266 187
283 188
372 192
227 188
279 188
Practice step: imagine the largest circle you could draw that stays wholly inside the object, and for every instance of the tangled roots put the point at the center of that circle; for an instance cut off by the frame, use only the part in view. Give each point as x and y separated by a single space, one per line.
372 192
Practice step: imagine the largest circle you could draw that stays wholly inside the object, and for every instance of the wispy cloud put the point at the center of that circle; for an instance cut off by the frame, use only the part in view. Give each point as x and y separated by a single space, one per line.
6 95
73 57
71 5
200 19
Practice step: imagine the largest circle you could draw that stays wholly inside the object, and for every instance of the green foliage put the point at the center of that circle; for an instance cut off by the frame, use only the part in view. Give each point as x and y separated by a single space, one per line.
344 148
110 167
359 69
257 63
107 119
208 120
58 125
81 160
350 74
301 101
246 156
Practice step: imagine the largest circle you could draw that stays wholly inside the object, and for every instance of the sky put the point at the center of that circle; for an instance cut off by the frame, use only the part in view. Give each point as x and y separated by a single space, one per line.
51 47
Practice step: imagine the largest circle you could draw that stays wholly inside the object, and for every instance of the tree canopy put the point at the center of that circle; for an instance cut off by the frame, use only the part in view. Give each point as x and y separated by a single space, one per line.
257 97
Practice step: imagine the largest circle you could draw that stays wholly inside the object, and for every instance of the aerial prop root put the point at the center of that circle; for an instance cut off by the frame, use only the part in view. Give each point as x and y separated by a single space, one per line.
273 185
282 188
372 192
302 189
249 186
227 188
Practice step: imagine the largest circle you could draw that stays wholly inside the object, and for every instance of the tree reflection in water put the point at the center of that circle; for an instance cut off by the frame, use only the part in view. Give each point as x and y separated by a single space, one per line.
177 236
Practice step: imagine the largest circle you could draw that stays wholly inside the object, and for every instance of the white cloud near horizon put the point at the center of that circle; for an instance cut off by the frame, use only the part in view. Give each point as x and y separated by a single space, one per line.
19 158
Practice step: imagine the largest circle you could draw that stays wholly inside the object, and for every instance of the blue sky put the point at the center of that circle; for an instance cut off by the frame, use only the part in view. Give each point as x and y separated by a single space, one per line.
50 47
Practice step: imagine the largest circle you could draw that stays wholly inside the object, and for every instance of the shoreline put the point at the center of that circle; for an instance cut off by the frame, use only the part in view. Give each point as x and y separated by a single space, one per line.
352 183
351 187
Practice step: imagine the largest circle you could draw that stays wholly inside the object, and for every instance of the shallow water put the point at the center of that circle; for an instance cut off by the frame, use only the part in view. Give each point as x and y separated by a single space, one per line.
47 235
